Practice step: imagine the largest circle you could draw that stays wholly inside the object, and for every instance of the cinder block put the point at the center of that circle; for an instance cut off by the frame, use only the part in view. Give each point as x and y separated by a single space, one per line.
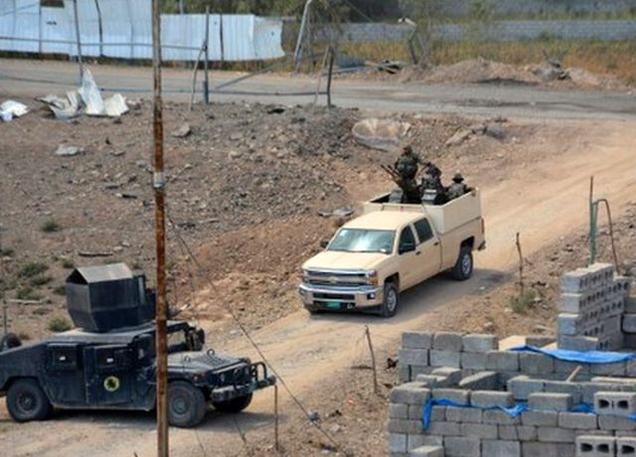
414 412
555 435
609 369
427 451
411 393
575 281
595 446
625 446
413 356
465 415
540 418
397 442
522 386
536 449
615 403
459 396
462 446
445 358
630 305
499 417
483 380
444 429
502 361
576 303
447 341
405 426
569 324
417 340
482 431
453 375
545 401
473 360
578 343
539 340
517 433
498 448
616 423
404 373
398 411
566 368
480 343
415 441
489 399
535 364
578 421
573 389
591 388
430 381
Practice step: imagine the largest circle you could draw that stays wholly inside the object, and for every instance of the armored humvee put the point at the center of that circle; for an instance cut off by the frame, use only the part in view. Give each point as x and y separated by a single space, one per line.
107 364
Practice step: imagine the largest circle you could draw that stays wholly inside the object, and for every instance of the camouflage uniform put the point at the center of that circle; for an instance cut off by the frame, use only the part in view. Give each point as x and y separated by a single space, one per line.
458 188
407 167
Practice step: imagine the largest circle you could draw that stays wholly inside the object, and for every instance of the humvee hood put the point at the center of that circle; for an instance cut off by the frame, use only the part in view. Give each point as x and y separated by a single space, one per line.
199 361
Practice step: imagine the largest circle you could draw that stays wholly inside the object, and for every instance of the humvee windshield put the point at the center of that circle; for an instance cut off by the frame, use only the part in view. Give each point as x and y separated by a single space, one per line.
361 240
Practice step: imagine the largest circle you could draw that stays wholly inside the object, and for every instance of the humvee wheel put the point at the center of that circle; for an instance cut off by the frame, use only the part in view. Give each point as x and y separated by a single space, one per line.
186 404
26 401
236 405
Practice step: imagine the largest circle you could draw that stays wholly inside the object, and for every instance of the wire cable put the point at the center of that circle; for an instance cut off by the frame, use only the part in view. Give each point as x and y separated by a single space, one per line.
251 340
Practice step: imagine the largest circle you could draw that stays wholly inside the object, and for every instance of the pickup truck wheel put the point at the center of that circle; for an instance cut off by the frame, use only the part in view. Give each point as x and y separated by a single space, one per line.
236 405
186 404
26 401
391 300
463 268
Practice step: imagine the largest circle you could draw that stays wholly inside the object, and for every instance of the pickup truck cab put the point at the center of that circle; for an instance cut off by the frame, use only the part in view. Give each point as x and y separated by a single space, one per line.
392 247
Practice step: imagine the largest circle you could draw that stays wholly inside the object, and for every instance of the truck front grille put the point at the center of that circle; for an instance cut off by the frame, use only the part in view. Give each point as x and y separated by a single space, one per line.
322 296
332 278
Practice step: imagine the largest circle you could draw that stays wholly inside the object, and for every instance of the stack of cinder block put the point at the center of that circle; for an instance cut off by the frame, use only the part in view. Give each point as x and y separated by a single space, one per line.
592 305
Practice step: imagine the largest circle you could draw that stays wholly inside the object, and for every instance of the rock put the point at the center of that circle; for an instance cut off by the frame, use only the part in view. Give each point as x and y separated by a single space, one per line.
459 137
343 212
313 416
182 131
67 151
233 154
478 129
276 110
496 131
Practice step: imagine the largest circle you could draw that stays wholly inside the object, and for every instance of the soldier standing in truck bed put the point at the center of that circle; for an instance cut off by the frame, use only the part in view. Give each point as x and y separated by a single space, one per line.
458 188
407 166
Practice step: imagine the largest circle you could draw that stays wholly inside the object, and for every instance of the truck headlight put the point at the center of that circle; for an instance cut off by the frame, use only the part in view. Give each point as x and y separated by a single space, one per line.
372 277
304 274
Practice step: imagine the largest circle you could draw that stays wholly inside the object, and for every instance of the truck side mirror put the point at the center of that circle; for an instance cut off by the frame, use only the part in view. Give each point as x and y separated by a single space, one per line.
324 244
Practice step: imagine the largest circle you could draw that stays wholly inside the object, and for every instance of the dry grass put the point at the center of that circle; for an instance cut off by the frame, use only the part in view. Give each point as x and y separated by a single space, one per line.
617 58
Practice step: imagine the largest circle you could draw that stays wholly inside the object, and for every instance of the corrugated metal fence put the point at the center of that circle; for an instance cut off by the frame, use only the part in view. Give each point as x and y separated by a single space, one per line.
122 29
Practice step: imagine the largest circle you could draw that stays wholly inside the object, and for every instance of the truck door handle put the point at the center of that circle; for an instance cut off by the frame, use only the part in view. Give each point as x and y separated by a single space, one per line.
418 252
436 243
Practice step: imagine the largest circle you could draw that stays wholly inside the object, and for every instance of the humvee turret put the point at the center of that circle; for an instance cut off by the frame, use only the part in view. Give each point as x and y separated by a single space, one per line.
106 366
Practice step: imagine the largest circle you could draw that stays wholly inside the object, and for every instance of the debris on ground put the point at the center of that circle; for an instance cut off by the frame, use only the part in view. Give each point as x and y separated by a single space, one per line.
10 109
87 99
67 151
182 131
382 134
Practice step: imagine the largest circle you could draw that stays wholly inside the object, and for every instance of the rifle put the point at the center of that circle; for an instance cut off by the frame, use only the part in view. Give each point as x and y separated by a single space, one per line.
395 176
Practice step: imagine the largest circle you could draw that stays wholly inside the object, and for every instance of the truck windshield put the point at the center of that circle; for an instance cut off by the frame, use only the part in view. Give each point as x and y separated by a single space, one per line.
360 240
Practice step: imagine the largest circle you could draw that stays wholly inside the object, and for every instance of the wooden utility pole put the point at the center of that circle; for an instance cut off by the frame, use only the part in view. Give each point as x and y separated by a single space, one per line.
159 184
522 286
374 367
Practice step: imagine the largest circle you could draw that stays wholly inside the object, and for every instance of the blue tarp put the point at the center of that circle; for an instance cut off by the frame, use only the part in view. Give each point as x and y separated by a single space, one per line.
593 357
514 411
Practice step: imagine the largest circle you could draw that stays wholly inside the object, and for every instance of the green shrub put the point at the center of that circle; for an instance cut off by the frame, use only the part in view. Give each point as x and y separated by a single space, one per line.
31 269
27 293
68 264
520 303
59 324
59 290
50 226
40 280
24 336
6 252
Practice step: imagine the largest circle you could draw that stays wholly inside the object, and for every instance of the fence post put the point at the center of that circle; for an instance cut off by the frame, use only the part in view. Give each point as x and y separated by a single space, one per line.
221 38
101 30
40 31
206 80
79 41
330 77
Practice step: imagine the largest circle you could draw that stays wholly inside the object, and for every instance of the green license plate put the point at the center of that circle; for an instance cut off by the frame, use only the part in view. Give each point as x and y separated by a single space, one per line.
333 304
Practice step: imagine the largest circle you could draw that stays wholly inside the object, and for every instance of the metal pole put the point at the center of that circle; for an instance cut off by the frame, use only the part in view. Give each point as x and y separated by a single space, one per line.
221 38
40 31
160 233
330 77
181 8
79 41
276 436
301 36
367 332
206 80
593 213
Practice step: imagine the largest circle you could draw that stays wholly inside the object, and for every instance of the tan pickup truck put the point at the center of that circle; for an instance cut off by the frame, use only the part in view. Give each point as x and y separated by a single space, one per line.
390 248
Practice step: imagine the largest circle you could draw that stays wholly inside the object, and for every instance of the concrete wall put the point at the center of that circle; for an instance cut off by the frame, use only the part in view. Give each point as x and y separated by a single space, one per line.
502 31
462 8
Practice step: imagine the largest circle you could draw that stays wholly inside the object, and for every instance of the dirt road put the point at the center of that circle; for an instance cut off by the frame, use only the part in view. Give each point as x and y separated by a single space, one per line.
29 77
